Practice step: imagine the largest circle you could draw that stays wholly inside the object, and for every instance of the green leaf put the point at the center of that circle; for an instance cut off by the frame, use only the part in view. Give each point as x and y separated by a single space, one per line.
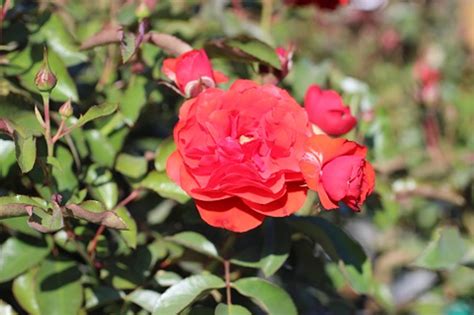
167 278
445 251
165 187
20 115
95 112
337 244
63 172
244 49
24 295
46 222
163 152
183 294
146 299
99 296
234 309
127 46
55 33
196 242
6 309
131 166
129 235
134 98
101 185
17 256
276 246
270 297
102 151
7 156
58 288
25 149
29 60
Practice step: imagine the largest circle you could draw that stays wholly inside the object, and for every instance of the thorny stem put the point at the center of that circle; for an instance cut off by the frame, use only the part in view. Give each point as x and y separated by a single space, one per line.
227 283
93 243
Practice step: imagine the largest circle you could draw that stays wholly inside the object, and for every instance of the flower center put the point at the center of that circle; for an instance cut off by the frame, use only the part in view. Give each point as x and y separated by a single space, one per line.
243 139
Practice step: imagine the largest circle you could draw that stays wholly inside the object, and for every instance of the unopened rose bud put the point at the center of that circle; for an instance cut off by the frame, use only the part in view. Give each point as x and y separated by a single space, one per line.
142 11
45 79
66 110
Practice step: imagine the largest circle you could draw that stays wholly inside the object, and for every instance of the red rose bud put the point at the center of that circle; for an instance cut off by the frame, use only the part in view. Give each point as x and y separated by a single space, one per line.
192 72
338 171
323 4
238 152
286 60
66 110
327 111
45 79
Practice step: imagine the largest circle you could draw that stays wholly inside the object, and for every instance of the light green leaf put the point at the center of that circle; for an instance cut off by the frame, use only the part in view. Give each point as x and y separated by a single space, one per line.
163 152
165 187
25 149
131 166
270 297
445 251
196 242
224 309
24 295
167 278
95 112
127 46
101 150
101 185
183 294
58 288
129 235
146 299
17 256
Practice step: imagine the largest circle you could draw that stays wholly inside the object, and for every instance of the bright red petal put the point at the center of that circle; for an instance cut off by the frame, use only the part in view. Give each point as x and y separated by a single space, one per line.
173 166
291 202
169 68
230 214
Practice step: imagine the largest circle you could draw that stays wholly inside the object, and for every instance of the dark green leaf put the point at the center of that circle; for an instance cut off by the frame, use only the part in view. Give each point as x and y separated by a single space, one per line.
337 244
244 49
99 296
182 294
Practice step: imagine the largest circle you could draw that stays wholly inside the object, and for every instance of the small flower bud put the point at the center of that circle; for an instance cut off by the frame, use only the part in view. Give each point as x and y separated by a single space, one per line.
142 11
66 110
45 79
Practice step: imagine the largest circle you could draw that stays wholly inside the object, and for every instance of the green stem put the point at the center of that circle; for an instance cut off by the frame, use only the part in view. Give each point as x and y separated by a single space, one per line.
266 17
47 122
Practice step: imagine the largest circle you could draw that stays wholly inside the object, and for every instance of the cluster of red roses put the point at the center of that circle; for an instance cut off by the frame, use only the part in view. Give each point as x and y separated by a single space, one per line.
252 151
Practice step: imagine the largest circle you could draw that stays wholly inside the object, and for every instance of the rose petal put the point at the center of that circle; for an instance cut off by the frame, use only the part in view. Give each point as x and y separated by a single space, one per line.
291 202
231 214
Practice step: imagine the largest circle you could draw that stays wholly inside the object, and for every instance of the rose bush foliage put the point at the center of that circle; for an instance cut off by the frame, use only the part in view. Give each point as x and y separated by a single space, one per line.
219 157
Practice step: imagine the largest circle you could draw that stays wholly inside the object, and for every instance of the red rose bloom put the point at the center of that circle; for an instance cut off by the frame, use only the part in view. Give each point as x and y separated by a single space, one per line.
237 154
192 72
338 171
327 111
323 4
